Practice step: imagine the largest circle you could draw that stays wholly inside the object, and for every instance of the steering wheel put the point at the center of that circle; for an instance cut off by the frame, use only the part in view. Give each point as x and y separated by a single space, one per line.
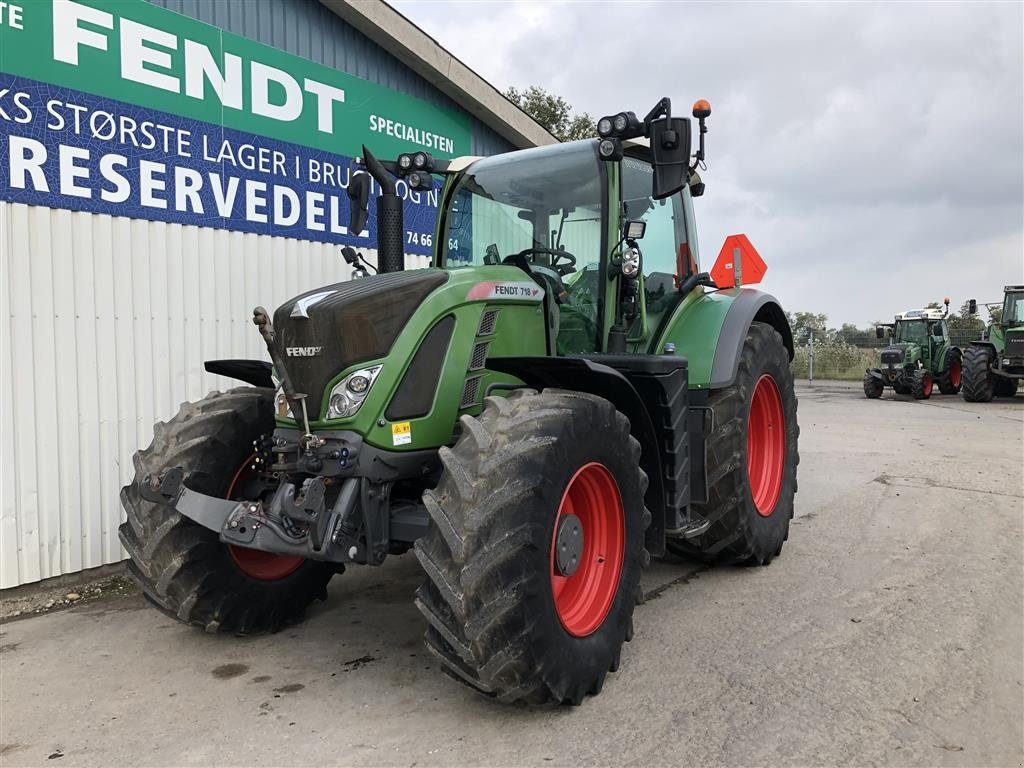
556 255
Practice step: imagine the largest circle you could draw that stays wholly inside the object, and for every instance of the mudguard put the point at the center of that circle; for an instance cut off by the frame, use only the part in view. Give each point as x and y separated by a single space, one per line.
582 375
255 372
747 307
709 329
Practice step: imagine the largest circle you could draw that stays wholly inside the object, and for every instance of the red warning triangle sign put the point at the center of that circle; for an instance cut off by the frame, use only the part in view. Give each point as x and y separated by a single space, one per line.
751 266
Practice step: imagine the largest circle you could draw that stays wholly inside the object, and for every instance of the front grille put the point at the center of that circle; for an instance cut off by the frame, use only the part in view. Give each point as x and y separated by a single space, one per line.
487 322
894 356
469 392
1015 345
476 362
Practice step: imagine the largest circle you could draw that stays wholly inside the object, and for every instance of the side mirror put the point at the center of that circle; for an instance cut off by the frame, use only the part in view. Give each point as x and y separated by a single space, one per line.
670 149
358 201
879 332
972 306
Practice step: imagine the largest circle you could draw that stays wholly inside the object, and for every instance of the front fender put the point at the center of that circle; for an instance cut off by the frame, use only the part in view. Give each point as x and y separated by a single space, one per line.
255 372
581 375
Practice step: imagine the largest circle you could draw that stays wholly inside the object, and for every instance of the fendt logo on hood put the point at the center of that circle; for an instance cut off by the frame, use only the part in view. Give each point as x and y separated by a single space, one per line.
303 351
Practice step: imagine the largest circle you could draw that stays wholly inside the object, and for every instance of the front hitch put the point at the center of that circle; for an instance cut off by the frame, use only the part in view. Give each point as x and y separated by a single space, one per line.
272 527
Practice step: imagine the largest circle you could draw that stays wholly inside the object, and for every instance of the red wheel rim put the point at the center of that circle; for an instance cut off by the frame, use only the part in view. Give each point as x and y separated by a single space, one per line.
927 385
954 373
766 445
583 599
265 566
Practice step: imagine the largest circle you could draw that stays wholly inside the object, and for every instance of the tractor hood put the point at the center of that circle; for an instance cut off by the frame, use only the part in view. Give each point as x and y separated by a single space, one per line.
901 354
324 331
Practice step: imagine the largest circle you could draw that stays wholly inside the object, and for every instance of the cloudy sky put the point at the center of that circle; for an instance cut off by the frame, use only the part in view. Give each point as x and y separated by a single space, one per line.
874 153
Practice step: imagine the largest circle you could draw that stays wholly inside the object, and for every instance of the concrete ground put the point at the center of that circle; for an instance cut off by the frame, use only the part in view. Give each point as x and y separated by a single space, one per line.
889 633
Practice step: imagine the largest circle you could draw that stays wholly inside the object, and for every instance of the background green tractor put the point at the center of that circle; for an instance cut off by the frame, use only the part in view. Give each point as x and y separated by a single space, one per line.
557 399
918 357
994 365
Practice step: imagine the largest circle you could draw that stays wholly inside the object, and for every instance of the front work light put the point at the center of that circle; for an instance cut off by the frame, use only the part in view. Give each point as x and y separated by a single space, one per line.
422 161
610 149
404 161
604 127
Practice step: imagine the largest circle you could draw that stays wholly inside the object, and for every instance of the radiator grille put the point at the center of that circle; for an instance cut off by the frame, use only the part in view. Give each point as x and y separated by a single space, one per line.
487 323
479 357
469 392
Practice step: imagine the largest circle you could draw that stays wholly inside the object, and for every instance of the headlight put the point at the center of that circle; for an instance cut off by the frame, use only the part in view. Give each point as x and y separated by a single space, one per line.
631 262
349 393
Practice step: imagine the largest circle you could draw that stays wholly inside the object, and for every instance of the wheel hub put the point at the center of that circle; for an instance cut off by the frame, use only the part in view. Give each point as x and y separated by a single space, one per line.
568 545
585 573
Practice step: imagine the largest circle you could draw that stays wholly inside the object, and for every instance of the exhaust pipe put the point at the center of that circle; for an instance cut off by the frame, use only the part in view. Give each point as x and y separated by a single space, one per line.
390 221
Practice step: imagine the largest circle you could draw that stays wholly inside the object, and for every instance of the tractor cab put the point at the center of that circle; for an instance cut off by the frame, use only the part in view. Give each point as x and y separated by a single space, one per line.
920 334
590 233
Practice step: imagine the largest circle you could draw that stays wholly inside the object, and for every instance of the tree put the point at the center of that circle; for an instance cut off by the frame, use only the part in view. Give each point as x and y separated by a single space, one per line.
553 112
965 325
804 323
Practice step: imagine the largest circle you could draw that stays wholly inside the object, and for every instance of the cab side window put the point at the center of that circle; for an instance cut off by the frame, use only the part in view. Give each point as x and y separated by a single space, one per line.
666 253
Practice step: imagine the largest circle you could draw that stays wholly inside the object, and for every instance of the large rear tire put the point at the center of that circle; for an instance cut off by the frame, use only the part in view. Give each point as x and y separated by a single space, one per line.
183 568
526 479
977 381
752 459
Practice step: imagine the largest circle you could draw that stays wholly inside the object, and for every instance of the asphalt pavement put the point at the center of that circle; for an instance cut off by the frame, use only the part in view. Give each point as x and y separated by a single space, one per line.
890 632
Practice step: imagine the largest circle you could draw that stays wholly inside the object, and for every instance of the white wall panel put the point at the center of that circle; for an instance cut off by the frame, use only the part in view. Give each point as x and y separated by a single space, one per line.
106 322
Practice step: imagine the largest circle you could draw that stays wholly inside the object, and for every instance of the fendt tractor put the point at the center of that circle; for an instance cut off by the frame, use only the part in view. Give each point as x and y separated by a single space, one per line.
919 356
562 395
994 365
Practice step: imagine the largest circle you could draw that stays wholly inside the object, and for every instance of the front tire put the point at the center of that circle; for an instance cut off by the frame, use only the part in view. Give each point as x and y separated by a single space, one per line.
183 568
752 459
524 478
1004 387
873 386
977 380
921 384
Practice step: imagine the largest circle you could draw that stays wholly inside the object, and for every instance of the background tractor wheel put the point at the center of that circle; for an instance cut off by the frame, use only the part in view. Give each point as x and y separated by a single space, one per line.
921 384
534 554
183 568
872 387
1004 387
751 459
952 378
977 381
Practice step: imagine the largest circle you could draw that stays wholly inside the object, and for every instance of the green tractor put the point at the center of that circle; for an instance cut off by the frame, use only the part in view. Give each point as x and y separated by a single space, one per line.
919 356
562 395
994 366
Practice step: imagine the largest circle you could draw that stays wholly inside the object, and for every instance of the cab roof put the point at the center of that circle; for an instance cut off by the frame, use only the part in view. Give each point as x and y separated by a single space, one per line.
920 314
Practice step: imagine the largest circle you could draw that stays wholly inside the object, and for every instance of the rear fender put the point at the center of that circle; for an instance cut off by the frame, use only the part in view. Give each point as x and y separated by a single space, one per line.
582 375
748 307
709 329
255 372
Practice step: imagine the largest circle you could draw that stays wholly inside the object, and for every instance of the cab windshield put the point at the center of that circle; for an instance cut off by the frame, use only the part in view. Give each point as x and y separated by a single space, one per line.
534 200
911 331
1013 308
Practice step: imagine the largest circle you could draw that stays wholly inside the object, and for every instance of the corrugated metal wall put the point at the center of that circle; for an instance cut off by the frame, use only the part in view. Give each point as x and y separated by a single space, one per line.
107 320
106 324
308 29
